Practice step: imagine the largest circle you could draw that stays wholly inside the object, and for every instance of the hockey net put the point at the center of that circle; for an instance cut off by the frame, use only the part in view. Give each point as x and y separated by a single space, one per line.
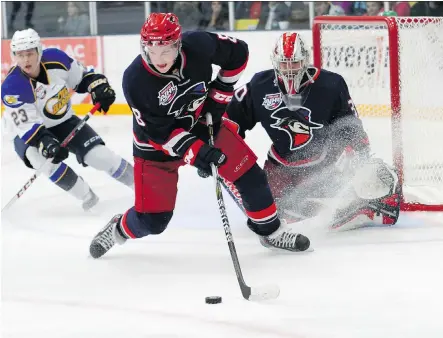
394 70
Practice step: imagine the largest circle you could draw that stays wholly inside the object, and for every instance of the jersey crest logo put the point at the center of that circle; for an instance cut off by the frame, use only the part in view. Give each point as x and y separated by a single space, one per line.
189 104
58 105
272 101
40 92
298 128
167 94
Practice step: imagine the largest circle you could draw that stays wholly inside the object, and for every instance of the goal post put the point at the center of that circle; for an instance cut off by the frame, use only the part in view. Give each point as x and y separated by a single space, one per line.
394 70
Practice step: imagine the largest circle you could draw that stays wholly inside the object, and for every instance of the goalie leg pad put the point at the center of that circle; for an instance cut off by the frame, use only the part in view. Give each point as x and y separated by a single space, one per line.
240 158
383 211
375 179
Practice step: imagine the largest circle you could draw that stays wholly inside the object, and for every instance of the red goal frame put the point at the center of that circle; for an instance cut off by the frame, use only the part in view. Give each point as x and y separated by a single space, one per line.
391 24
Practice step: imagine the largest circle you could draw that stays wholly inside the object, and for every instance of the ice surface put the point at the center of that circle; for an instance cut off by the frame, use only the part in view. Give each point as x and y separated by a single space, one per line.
377 282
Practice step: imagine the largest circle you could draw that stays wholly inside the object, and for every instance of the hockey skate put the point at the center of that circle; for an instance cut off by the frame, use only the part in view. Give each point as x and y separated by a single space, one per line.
106 238
90 200
284 239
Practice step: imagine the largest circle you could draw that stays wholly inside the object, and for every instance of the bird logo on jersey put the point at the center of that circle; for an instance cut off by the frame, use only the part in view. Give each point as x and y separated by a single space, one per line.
188 105
298 126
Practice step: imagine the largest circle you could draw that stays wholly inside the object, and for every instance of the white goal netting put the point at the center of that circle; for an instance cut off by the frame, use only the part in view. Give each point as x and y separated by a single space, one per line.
394 70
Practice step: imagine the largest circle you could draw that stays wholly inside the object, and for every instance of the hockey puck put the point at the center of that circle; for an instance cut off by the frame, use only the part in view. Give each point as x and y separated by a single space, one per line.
213 300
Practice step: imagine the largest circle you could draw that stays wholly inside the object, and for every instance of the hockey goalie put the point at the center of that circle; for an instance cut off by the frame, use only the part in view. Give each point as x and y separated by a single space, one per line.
320 159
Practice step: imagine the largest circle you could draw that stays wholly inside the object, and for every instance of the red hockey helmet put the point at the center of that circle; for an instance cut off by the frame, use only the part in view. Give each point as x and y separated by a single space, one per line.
160 29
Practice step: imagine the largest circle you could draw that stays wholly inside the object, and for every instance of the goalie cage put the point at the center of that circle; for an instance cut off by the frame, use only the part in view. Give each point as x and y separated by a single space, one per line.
394 69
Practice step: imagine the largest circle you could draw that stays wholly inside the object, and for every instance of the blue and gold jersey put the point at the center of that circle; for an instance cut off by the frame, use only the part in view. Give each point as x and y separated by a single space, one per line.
31 104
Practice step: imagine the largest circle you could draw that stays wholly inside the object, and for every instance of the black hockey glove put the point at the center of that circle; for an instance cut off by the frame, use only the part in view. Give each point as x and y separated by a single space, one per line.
201 156
219 95
203 174
50 147
101 92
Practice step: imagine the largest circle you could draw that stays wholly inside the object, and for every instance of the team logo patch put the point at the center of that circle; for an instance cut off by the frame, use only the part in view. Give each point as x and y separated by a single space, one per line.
188 105
167 94
272 101
58 105
12 100
297 125
40 92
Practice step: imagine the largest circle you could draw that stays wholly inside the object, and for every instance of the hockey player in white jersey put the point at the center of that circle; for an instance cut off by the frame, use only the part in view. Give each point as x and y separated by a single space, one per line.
38 108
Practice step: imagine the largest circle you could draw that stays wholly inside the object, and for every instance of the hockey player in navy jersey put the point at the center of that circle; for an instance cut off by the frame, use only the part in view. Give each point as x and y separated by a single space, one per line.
169 89
38 110
320 153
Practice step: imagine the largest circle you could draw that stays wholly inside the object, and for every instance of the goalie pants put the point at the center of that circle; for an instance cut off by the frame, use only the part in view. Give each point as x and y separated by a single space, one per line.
296 190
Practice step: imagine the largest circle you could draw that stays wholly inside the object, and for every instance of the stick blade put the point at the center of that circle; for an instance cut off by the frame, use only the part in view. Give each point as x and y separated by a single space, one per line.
264 292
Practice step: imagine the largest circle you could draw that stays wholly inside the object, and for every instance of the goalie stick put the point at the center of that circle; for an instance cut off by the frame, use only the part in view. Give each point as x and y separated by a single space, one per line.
264 292
37 173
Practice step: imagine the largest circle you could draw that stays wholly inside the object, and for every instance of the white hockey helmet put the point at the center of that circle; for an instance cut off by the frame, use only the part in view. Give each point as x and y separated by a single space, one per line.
290 59
24 40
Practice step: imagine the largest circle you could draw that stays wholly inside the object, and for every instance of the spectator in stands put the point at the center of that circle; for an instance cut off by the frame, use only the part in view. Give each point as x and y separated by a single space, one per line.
402 8
374 8
188 14
161 6
299 12
77 21
358 8
345 5
16 5
327 8
215 16
247 9
274 15
427 8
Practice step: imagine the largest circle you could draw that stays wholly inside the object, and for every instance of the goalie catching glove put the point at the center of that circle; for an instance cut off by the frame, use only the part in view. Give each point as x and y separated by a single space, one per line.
101 92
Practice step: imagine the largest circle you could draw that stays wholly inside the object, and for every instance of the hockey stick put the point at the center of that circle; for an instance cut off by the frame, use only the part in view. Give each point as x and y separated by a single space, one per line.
65 142
249 293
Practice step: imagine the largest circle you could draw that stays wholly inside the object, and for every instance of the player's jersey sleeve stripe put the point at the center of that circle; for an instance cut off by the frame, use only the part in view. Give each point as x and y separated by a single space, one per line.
231 76
29 135
178 143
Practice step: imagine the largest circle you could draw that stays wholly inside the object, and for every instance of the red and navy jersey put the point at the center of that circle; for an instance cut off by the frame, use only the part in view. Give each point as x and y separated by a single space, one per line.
299 136
166 107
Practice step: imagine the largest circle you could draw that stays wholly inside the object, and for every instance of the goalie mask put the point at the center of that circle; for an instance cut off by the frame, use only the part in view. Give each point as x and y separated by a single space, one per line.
290 60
